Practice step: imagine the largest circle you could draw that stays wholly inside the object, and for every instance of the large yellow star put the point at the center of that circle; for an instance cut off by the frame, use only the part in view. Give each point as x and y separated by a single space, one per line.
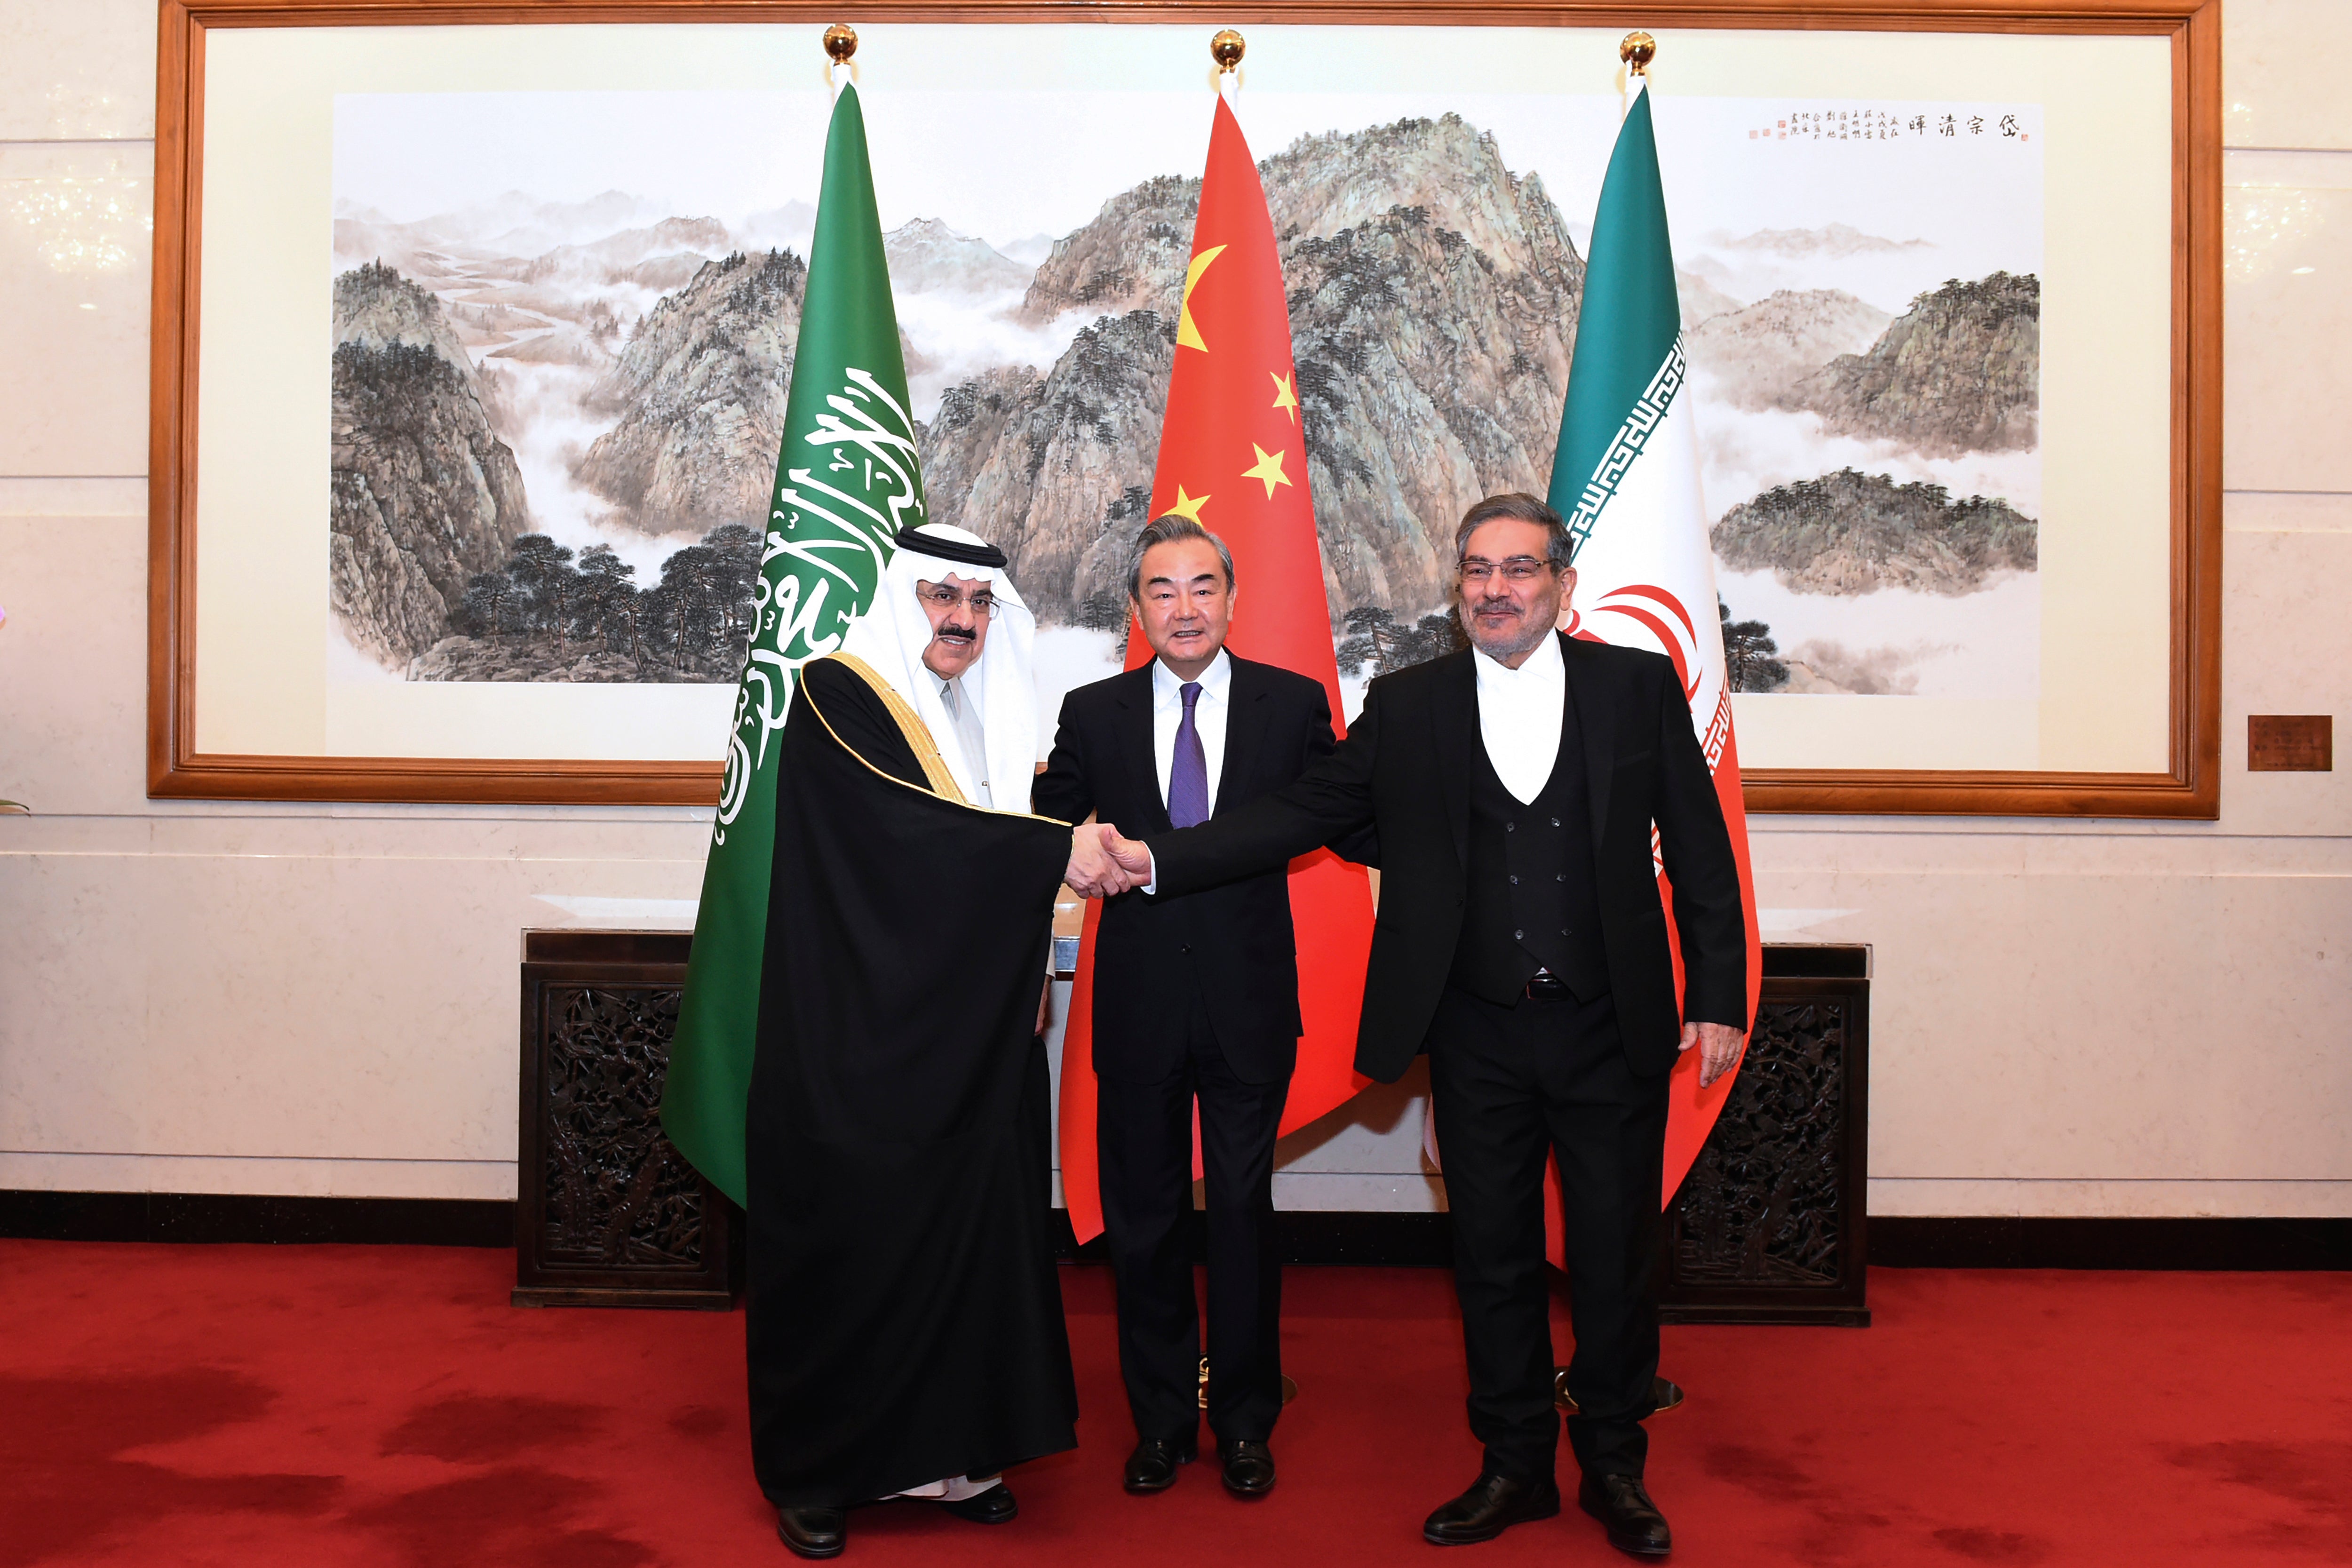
1269 468
1284 397
1187 506
1188 336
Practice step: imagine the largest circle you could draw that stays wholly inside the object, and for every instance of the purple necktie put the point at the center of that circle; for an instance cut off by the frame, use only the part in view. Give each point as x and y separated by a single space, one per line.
1188 776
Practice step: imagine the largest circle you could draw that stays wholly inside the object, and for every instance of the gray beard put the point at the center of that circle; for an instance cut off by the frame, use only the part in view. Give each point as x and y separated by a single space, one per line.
1504 648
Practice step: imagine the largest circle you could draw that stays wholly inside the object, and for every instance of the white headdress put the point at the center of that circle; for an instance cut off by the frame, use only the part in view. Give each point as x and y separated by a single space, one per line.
892 635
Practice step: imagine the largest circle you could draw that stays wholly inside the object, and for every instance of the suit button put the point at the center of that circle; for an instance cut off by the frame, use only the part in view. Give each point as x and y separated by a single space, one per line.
1510 828
1555 822
1518 936
1562 876
1186 948
1565 932
1515 881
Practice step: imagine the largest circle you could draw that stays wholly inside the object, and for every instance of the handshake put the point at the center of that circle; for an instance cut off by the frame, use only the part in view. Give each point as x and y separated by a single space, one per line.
1102 863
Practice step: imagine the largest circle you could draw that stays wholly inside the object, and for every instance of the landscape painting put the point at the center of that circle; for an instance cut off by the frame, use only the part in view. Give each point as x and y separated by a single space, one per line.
560 368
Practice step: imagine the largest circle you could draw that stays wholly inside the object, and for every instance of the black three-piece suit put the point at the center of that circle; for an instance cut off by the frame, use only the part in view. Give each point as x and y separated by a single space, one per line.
1479 892
1193 997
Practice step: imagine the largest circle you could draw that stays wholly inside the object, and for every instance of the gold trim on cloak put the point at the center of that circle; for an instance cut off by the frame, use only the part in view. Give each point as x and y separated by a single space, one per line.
910 725
918 736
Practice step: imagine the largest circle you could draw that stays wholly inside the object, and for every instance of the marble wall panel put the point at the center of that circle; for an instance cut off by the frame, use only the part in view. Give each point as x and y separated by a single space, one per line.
671 836
1364 1155
2284 639
2287 308
2274 512
76 236
2148 1199
75 1050
474 1179
73 664
72 496
2063 1026
76 70
261 1006
2281 73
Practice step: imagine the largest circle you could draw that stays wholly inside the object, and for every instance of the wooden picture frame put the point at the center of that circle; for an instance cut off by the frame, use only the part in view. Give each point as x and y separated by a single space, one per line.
2187 787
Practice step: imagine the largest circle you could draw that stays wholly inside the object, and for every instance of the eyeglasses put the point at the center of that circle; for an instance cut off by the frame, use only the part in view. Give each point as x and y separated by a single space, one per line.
982 601
1518 569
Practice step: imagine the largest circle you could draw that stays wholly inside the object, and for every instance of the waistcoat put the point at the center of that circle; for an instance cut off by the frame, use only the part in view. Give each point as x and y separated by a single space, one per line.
1531 901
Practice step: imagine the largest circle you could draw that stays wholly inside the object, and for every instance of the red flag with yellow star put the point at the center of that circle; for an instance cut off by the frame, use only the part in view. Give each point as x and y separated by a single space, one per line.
1232 456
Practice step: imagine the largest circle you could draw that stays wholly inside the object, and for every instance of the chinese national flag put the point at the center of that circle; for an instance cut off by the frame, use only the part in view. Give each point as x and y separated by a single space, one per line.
1233 455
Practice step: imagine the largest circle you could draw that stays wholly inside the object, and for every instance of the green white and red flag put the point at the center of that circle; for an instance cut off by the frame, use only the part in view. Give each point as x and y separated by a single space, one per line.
1626 478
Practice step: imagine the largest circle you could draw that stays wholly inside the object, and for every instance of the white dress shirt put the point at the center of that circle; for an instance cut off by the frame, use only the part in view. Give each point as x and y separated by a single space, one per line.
1210 710
967 736
1519 715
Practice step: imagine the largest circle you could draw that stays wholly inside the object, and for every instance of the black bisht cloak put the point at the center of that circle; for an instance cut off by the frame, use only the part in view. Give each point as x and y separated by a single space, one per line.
905 1320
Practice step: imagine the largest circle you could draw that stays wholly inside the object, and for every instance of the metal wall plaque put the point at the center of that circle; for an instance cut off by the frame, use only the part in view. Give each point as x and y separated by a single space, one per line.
2290 743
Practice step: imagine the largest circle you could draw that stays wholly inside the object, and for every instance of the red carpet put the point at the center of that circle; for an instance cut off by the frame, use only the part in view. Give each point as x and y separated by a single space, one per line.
383 1406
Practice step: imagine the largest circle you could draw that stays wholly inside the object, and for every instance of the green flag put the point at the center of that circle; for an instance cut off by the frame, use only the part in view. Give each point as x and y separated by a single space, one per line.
1626 479
1628 361
846 482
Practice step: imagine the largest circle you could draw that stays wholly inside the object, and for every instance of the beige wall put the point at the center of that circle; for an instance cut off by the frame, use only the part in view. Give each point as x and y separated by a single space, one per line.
2070 1019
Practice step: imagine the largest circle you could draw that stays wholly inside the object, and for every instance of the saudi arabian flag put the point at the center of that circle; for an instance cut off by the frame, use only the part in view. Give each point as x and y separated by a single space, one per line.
1626 479
846 482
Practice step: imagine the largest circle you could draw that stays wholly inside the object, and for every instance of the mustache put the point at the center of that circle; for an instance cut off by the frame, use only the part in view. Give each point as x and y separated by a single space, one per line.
953 633
1492 601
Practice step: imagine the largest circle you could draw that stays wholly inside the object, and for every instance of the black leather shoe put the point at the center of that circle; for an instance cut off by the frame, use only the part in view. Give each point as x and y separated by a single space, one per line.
1249 1466
1621 1503
1493 1504
994 1505
1152 1466
814 1531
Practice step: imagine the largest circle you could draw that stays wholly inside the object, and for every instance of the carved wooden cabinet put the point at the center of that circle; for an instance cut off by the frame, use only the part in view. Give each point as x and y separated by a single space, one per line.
607 1212
1770 1224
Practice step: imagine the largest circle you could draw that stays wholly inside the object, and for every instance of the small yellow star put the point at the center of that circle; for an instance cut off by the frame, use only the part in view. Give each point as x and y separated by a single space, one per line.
1188 336
1187 506
1269 468
1284 397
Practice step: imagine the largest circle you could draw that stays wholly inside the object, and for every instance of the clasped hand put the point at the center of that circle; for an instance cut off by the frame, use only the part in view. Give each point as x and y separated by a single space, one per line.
1103 864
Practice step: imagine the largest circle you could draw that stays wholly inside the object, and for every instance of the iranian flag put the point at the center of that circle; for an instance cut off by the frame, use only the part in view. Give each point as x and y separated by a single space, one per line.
1626 477
1232 458
846 482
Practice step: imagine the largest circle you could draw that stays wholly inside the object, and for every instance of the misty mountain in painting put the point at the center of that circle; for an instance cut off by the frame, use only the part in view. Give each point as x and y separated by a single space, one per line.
555 423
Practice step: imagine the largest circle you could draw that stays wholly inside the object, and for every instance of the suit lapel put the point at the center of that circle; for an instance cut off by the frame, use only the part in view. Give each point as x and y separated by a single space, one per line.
1453 719
1596 716
1247 714
1135 748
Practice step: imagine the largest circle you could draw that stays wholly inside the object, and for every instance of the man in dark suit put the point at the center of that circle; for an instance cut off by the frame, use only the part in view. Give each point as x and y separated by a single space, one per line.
1521 943
1195 999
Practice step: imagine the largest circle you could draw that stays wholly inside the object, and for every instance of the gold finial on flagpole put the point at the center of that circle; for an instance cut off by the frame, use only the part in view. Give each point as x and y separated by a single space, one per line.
1226 49
840 43
1637 51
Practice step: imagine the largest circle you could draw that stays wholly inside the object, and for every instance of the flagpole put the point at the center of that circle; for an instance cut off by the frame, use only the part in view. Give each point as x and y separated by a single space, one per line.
1636 51
1227 48
840 44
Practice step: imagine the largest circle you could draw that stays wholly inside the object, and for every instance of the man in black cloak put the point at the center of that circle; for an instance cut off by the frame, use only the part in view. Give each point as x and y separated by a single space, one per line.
906 1334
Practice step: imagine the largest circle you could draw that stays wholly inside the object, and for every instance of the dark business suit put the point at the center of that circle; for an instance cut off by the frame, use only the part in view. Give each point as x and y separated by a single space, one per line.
1584 1073
1193 998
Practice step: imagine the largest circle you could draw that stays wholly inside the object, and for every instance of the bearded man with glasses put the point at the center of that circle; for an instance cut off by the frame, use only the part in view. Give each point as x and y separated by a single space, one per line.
1522 946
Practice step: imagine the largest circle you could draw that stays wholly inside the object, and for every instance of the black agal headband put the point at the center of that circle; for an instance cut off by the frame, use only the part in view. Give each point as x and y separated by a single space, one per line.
913 538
